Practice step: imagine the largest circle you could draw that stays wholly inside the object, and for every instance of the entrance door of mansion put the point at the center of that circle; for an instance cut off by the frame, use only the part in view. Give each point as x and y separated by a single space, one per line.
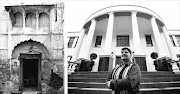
30 67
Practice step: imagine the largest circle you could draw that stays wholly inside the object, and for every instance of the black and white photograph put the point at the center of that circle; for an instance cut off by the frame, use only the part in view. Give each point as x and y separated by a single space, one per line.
89 46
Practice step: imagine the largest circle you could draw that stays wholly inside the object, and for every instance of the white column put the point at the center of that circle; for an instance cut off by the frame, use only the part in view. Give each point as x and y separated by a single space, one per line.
157 37
136 37
109 34
78 45
84 51
169 43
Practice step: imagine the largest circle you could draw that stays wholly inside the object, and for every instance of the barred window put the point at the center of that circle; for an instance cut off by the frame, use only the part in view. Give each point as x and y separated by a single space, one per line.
98 41
70 43
172 40
148 40
122 40
178 39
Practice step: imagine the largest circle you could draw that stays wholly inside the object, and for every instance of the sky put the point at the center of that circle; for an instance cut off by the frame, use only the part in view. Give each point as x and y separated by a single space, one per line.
76 12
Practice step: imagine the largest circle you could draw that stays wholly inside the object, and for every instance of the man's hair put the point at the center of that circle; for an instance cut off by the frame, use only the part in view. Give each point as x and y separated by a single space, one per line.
126 49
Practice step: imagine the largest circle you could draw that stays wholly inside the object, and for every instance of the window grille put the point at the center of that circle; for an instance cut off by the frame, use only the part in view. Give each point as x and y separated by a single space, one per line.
122 41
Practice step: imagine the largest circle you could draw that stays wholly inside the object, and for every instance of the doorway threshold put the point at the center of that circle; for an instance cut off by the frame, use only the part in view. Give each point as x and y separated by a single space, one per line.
30 90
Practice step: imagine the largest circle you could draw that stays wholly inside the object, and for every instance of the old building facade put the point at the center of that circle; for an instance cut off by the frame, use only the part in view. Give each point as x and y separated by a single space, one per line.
31 45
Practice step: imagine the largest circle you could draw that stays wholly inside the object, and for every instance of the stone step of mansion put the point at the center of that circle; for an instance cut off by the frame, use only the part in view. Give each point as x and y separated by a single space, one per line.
161 82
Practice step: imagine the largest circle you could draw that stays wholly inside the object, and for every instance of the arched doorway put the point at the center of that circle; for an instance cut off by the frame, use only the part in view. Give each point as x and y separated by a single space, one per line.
30 55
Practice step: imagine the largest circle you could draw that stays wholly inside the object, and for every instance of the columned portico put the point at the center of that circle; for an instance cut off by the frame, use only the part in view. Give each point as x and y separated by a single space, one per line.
157 37
143 31
169 44
109 34
135 32
84 51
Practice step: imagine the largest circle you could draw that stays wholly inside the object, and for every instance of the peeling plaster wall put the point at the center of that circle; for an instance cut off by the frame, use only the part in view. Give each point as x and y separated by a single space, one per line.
49 43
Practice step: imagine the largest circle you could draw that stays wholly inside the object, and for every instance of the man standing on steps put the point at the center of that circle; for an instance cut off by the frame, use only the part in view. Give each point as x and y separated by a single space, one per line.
125 78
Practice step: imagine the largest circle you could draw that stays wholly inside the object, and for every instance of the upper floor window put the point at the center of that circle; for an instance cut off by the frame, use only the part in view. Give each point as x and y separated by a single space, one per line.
71 41
98 41
31 20
172 40
148 40
44 20
76 40
18 19
178 56
178 39
122 40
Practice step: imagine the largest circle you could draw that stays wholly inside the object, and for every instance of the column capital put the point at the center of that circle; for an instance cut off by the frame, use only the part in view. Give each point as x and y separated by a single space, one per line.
152 18
93 20
134 12
111 13
37 15
164 28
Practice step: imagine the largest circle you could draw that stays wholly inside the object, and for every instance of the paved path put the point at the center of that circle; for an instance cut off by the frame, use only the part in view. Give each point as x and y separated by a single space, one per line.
30 91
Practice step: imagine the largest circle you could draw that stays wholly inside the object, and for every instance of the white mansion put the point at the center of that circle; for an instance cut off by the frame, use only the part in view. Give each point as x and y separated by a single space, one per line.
106 31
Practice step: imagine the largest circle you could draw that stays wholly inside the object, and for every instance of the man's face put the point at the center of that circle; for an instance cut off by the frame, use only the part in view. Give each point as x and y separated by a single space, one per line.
125 55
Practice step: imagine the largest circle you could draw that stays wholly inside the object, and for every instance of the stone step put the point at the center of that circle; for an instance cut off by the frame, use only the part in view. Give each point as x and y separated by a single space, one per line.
143 85
106 72
142 76
151 83
103 80
168 90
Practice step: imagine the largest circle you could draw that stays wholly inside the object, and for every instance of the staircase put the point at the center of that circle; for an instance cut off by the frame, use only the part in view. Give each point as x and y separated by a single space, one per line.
151 83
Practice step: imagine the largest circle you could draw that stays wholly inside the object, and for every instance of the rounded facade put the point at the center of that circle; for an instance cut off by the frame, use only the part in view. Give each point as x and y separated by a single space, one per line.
108 30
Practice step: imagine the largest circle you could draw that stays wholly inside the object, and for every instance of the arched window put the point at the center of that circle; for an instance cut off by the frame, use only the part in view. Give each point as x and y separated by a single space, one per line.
18 19
44 20
31 20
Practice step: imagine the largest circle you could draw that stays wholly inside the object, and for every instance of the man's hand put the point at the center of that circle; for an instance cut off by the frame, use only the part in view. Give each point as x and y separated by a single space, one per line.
108 83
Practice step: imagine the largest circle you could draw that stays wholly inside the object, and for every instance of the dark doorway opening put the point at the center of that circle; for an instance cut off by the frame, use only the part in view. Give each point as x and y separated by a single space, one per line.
30 73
